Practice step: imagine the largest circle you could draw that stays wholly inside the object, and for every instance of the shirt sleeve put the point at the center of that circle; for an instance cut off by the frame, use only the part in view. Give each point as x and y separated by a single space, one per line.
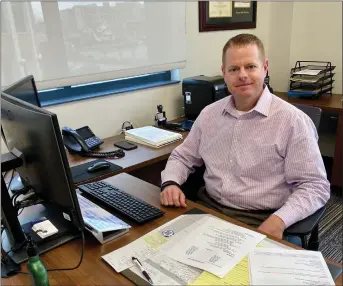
305 171
184 157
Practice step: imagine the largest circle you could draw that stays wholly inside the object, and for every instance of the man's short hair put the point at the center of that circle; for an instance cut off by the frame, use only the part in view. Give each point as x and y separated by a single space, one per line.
243 40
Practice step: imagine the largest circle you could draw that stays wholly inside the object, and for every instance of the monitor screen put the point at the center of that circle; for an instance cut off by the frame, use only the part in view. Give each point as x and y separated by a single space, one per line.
33 134
24 89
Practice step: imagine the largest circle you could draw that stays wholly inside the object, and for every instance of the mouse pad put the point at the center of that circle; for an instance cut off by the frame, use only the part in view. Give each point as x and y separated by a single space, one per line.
80 172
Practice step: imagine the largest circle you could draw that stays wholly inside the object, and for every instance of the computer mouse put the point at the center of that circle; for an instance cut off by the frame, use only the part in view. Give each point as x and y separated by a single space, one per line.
98 166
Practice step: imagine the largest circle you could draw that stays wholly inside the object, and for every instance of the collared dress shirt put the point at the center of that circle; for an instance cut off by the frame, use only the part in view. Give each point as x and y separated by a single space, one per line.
265 159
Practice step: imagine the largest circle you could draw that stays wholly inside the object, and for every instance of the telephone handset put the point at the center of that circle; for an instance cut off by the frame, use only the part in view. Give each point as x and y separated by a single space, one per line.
83 141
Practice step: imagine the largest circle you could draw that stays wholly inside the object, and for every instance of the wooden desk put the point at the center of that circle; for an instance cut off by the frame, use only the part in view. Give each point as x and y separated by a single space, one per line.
135 162
94 271
333 104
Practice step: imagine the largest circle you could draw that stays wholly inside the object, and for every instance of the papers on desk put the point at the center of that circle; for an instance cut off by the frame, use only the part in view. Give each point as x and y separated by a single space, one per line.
215 246
239 275
216 235
149 245
288 267
152 136
102 224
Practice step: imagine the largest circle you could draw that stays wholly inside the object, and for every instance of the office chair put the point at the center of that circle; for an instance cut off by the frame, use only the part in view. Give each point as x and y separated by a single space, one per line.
309 225
303 228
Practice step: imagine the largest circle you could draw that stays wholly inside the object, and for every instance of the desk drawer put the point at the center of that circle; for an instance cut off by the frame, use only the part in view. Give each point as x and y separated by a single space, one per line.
327 133
328 122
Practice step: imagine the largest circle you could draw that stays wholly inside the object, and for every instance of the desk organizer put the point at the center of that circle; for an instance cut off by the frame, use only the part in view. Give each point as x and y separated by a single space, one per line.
311 79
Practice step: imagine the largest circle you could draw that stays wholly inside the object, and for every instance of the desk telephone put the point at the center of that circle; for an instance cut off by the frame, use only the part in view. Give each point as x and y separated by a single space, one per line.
83 141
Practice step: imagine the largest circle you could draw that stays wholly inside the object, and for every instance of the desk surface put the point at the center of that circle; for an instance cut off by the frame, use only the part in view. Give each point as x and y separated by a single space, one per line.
327 102
93 270
133 160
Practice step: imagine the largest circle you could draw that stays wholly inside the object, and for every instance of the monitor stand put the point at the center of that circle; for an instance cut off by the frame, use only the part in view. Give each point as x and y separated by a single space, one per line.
66 232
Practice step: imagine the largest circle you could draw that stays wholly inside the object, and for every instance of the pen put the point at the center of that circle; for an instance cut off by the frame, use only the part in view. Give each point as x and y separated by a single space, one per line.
139 264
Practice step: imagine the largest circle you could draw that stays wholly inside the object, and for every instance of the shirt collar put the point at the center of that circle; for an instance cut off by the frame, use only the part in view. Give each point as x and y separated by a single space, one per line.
262 106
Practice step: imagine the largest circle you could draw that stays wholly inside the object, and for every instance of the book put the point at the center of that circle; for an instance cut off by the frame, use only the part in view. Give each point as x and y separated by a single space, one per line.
152 136
102 224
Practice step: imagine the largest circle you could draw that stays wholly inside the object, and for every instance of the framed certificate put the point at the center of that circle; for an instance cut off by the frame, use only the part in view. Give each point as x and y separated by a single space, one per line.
226 15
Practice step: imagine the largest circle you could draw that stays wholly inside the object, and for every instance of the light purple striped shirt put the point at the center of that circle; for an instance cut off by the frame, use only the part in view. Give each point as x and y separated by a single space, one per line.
267 158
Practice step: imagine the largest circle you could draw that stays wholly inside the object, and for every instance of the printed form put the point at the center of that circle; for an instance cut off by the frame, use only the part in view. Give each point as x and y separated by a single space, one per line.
150 244
214 245
288 267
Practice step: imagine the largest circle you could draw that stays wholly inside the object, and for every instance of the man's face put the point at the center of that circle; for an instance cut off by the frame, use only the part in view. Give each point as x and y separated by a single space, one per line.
244 71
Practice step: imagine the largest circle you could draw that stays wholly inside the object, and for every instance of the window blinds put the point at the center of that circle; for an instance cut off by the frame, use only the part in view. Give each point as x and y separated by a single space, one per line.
70 43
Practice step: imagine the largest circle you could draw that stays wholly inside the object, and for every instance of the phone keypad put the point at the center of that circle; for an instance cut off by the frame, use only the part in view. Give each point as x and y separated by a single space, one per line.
93 141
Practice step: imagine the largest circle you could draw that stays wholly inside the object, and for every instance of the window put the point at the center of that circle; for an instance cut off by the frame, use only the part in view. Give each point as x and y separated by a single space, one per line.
65 44
96 89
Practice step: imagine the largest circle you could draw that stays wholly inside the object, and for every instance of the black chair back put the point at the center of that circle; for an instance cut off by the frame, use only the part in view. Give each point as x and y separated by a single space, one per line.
314 113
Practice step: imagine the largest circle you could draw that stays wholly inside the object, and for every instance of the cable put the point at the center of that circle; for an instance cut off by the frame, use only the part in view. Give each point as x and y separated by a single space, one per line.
9 184
66 269
117 154
81 258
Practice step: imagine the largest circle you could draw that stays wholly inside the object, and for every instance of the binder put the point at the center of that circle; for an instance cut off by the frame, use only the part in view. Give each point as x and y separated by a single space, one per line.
102 224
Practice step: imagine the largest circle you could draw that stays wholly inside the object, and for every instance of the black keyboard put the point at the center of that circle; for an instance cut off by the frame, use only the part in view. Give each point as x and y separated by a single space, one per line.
134 208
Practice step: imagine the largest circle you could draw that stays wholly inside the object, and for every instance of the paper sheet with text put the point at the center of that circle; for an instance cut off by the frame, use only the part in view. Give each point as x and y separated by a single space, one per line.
215 246
239 275
149 245
288 267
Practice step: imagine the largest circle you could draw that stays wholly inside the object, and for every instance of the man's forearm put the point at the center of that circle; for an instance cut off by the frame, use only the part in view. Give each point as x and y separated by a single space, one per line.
175 171
304 201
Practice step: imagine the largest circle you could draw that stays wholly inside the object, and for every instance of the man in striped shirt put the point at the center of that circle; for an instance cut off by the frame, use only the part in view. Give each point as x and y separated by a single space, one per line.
263 164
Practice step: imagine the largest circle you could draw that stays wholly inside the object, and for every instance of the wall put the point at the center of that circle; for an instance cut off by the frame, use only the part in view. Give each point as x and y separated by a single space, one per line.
304 31
281 15
317 35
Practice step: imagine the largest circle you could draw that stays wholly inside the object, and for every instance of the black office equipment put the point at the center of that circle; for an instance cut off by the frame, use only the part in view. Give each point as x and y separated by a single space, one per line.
125 145
98 167
83 142
200 91
33 134
134 208
26 90
80 172
81 139
161 121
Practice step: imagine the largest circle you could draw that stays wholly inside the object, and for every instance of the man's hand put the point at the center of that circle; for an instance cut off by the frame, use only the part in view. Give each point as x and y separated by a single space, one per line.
273 225
173 196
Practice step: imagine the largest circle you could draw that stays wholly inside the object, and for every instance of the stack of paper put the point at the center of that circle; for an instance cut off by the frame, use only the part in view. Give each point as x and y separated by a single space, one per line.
152 136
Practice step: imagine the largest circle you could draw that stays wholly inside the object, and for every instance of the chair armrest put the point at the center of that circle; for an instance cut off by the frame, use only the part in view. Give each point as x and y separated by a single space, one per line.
305 226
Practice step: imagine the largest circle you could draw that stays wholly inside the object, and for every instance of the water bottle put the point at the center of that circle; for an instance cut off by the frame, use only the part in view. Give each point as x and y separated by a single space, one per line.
35 266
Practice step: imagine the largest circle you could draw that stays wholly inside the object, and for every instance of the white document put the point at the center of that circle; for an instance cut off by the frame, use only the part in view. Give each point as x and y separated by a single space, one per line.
166 271
149 245
121 259
215 246
99 219
308 72
152 135
288 267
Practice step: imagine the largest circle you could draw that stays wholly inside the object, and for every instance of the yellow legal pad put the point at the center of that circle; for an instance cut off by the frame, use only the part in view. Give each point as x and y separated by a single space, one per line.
239 275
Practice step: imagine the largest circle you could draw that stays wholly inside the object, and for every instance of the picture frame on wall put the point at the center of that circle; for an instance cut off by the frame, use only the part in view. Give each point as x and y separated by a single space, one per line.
227 15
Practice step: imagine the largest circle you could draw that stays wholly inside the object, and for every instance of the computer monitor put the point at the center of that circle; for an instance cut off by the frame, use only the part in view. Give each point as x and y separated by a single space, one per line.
26 90
33 134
